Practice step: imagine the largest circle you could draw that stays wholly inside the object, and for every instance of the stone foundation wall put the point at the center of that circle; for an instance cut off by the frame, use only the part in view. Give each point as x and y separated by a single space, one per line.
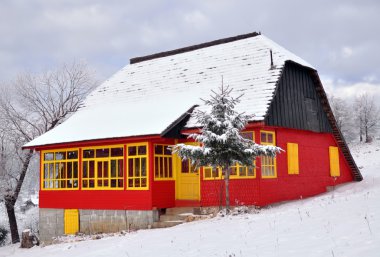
50 224
95 221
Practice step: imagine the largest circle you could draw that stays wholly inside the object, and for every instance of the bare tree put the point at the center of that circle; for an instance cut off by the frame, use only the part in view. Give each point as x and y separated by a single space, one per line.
33 105
343 116
367 116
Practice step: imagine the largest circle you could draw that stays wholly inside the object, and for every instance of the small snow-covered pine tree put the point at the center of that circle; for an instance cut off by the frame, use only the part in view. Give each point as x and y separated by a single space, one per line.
221 144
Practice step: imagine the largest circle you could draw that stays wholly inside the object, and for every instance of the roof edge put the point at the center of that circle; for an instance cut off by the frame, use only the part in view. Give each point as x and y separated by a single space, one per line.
341 142
97 141
193 47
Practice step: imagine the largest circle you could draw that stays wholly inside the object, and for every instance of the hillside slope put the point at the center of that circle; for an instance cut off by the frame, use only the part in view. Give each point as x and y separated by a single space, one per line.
344 222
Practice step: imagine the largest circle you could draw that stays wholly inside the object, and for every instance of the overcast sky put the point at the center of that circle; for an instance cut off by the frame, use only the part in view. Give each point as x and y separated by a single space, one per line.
340 38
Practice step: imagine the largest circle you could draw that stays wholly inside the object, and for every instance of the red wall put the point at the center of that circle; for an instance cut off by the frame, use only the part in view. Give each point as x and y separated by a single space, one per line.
96 199
313 178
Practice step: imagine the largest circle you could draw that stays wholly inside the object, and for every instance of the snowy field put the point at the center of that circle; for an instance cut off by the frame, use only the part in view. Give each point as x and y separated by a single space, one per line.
345 222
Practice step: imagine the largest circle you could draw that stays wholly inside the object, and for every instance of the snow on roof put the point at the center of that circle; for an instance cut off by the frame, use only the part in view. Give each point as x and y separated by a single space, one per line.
144 98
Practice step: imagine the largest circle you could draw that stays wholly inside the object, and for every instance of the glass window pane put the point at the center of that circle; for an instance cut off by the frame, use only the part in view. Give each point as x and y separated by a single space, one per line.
113 183
119 151
143 182
75 170
162 168
102 153
185 166
85 169
142 150
156 167
167 150
137 182
90 153
120 183
263 138
113 169
242 171
46 171
100 170
60 155
170 168
207 172
143 167
158 149
72 155
251 171
48 156
130 167
130 182
92 169
247 135
137 168
105 169
132 150
69 170
270 138
120 168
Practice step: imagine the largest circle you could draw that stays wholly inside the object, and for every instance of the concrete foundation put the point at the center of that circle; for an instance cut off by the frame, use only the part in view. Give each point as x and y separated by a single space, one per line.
95 221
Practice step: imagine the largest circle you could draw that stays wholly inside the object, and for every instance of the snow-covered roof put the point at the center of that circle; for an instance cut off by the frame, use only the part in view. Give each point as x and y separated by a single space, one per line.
144 98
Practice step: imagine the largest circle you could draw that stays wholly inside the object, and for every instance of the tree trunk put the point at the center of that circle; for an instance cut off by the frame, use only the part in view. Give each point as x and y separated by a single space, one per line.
366 135
227 186
11 198
361 133
12 220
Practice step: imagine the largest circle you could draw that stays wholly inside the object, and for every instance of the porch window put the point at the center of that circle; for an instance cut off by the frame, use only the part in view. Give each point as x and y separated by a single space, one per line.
103 168
268 164
137 165
163 169
60 169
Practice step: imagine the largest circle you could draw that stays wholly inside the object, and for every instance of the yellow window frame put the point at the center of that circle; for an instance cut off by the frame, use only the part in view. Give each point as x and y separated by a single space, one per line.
209 169
140 157
334 161
267 161
293 160
108 159
54 162
168 160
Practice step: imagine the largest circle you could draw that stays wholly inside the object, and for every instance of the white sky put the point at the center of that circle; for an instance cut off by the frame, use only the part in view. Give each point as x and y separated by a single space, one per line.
339 38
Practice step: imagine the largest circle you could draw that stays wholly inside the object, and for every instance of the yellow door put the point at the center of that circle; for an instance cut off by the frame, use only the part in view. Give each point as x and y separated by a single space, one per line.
71 221
187 183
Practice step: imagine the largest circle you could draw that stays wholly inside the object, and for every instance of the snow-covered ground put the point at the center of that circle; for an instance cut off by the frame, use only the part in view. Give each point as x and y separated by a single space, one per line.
345 222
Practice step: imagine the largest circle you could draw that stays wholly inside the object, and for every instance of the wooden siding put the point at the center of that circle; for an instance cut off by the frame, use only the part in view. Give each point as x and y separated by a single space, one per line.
296 103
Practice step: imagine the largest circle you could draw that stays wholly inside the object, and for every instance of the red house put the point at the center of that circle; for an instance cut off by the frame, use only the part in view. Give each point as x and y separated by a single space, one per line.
108 167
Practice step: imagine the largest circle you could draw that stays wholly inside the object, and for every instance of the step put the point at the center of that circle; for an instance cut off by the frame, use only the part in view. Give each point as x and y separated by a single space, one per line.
179 210
170 217
166 224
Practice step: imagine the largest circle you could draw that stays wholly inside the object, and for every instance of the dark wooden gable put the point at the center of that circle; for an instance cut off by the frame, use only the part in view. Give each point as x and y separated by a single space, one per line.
296 103
300 102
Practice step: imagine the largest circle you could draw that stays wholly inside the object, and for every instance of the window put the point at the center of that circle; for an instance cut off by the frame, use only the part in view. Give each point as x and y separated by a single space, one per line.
210 173
103 168
268 164
237 171
137 156
60 169
334 161
163 168
293 163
